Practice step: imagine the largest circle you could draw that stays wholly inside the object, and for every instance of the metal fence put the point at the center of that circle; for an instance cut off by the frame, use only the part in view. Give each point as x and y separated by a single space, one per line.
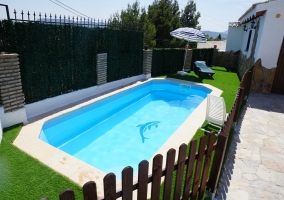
62 19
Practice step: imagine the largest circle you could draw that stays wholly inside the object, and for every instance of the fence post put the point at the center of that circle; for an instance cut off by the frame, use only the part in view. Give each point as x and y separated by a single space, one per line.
67 194
247 86
90 190
147 62
217 163
238 104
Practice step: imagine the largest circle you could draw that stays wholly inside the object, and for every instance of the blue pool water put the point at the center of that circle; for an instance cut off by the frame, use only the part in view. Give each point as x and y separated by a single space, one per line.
126 128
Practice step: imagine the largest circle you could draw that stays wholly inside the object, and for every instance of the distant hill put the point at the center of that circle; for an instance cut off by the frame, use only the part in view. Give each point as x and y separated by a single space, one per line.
215 34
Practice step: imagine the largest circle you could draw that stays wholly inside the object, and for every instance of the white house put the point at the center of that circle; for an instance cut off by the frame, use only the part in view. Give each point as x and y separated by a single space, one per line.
259 33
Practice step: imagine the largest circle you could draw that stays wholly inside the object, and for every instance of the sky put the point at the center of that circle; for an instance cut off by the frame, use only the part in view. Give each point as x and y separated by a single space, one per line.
215 14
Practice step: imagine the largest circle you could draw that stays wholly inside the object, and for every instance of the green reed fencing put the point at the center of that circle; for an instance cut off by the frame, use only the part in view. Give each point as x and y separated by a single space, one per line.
172 60
60 58
167 61
203 55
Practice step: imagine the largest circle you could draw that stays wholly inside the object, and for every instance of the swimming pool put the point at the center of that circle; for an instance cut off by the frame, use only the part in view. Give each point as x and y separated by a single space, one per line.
125 128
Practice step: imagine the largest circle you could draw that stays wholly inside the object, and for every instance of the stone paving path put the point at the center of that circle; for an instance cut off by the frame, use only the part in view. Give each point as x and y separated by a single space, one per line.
254 166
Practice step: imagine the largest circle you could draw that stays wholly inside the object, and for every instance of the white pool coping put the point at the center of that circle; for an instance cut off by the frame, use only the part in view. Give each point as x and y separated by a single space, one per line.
81 172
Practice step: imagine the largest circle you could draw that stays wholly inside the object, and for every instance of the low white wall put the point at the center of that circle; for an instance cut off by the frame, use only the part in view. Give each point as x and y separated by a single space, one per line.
47 105
221 45
12 118
1 130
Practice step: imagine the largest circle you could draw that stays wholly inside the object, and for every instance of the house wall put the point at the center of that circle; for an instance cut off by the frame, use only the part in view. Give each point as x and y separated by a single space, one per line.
265 44
261 22
247 57
272 34
235 35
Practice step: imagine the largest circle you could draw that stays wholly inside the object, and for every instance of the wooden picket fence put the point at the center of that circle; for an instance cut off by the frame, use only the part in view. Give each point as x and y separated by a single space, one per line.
193 174
195 178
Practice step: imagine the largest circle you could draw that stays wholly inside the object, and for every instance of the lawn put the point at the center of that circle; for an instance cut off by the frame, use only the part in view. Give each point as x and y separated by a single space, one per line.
23 177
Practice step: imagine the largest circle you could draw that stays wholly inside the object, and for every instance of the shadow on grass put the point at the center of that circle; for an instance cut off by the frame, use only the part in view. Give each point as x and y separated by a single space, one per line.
224 69
189 77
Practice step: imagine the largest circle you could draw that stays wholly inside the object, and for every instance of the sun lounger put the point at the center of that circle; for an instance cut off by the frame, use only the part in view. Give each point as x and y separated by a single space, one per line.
215 112
200 67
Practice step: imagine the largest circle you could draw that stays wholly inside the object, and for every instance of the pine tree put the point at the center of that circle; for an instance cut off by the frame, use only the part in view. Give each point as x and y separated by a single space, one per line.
189 16
164 14
219 37
133 16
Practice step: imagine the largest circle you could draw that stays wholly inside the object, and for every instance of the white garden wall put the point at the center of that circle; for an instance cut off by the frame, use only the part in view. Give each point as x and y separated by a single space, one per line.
12 118
47 105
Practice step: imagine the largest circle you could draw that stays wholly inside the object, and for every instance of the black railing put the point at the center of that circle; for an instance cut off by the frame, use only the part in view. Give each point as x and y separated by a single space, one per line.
77 21
7 10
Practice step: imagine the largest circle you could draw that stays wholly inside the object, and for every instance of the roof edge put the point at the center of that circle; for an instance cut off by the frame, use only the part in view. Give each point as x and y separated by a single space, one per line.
252 7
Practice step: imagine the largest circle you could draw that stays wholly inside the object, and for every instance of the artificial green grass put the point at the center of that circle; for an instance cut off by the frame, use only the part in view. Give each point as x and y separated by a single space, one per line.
23 177
226 81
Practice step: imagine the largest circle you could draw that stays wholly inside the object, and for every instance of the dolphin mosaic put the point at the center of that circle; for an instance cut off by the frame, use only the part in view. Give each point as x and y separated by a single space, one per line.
147 126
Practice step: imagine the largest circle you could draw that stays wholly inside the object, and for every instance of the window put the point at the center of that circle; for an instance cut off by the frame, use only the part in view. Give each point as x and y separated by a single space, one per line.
249 37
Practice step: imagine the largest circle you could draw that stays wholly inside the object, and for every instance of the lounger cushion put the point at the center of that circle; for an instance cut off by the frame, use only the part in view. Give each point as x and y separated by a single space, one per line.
203 68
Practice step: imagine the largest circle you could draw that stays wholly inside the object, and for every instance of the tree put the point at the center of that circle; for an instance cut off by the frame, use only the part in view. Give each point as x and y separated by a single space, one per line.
189 16
164 14
209 38
219 37
149 29
134 15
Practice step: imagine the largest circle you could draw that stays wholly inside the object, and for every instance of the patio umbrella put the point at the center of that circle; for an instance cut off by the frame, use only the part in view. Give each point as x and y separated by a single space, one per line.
190 35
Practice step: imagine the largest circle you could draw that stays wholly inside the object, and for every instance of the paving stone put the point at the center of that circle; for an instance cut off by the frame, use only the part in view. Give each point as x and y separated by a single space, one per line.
245 152
265 174
276 157
259 136
274 126
265 186
238 194
280 179
271 133
237 174
280 194
238 184
270 143
250 177
255 156
273 165
261 130
261 194
254 167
